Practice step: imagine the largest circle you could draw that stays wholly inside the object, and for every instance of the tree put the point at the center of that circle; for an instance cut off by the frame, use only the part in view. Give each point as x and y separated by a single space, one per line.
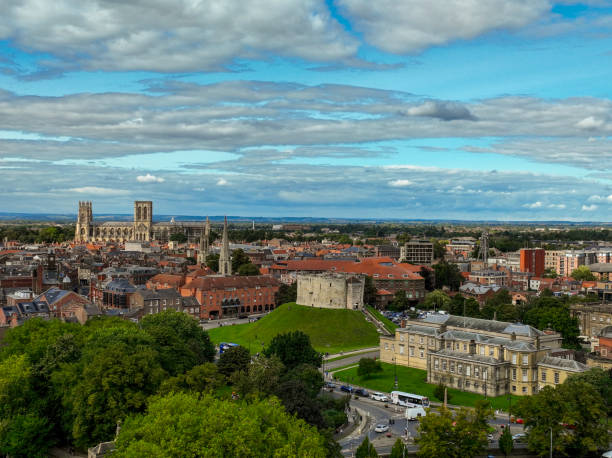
582 273
439 249
286 293
368 367
547 312
25 436
293 349
506 443
600 380
182 424
239 257
550 273
428 275
369 291
297 400
398 450
447 274
366 450
309 375
178 237
572 411
180 341
234 359
454 436
212 261
262 376
400 301
437 300
248 269
439 392
201 379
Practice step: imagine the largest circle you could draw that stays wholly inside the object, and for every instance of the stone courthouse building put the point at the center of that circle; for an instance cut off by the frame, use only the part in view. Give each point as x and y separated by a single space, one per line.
331 290
141 229
488 357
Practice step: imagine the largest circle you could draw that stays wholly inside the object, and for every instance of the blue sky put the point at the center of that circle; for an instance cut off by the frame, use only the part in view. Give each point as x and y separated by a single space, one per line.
441 109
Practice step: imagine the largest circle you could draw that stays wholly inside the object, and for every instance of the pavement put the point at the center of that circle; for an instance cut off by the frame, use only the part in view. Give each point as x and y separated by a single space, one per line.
330 366
206 325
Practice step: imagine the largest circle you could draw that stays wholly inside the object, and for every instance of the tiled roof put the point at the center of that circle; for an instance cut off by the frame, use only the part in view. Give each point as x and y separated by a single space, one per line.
212 283
483 325
562 363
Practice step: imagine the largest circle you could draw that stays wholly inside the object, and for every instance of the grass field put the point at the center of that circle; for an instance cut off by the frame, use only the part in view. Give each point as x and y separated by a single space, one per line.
413 381
330 331
389 325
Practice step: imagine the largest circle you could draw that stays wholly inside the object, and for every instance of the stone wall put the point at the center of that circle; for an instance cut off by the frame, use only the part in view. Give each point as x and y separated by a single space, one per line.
338 291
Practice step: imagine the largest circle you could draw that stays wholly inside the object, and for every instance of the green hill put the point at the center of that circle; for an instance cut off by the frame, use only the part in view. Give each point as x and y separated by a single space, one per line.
330 330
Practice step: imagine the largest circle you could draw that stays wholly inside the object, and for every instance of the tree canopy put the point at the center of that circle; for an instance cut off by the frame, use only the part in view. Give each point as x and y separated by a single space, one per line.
293 349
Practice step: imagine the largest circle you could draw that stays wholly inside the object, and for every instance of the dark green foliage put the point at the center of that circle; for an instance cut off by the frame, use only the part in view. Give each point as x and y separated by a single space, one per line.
178 237
25 435
447 274
400 302
180 341
286 293
552 312
368 367
369 291
600 380
234 359
582 273
293 349
297 400
248 269
239 258
212 261
309 375
439 393
366 450
575 403
398 450
201 379
506 443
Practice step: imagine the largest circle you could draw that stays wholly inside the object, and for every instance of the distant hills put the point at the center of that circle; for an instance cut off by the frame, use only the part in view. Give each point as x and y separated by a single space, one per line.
71 217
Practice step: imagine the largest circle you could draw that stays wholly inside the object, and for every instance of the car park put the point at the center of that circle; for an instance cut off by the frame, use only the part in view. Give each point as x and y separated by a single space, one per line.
381 428
346 388
379 397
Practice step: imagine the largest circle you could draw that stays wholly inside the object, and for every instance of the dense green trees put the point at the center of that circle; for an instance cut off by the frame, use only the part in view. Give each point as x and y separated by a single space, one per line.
286 293
212 261
234 359
447 274
369 291
582 273
293 349
366 450
459 435
437 300
544 312
368 367
506 443
182 424
575 412
178 237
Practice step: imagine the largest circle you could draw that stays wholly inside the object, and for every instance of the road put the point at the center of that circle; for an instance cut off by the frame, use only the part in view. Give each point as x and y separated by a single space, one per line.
206 325
379 412
349 360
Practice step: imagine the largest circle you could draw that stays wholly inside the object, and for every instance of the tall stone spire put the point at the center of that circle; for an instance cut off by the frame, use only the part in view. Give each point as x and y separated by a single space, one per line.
204 239
225 261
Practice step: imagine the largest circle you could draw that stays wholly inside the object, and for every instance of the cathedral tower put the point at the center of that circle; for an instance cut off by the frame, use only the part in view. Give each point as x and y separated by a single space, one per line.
204 240
143 220
225 260
83 230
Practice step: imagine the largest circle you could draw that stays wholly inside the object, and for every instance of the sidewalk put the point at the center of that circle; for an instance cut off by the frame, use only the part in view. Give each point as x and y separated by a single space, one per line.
352 352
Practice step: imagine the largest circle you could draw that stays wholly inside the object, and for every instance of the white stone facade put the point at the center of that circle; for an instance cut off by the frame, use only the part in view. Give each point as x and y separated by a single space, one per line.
331 290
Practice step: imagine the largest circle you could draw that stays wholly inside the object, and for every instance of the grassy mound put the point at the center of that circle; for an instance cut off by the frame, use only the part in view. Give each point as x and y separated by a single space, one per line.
330 331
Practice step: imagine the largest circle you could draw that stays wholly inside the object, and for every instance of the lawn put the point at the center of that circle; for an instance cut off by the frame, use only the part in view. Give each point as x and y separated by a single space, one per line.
330 330
389 325
413 381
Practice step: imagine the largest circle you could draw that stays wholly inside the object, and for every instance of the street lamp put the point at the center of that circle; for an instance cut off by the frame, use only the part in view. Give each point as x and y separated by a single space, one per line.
395 384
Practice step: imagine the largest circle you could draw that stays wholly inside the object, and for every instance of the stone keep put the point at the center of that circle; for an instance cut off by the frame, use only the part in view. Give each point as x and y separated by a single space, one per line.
336 291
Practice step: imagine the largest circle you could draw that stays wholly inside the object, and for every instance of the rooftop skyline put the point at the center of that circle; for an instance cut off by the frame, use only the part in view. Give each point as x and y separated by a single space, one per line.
443 109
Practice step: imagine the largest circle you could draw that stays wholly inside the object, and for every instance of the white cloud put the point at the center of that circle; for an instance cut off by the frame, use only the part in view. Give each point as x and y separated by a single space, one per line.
590 123
400 183
410 26
533 205
148 178
174 35
221 182
557 206
589 208
95 190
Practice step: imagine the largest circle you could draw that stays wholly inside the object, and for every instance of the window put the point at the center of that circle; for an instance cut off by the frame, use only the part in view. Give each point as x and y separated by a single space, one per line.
524 389
476 371
386 346
401 337
459 368
525 375
410 352
513 373
482 350
464 347
556 378
436 364
443 364
421 354
449 345
514 388
468 370
543 375
421 339
402 349
491 351
513 358
467 383
411 339
525 360
452 366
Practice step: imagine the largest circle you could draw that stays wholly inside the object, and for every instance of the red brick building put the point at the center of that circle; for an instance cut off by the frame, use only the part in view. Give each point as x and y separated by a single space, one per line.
231 296
532 260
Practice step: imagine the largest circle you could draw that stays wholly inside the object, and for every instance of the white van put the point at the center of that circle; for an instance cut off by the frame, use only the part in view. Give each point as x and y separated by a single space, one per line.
413 413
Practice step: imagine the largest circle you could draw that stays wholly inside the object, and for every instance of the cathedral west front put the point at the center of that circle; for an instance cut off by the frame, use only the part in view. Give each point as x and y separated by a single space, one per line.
142 228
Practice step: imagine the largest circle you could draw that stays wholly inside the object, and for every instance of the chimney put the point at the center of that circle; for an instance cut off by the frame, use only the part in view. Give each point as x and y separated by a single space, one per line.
537 342
513 336
501 354
403 323
472 347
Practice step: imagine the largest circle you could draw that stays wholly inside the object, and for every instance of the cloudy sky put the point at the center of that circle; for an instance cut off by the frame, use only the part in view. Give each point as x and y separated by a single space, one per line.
458 109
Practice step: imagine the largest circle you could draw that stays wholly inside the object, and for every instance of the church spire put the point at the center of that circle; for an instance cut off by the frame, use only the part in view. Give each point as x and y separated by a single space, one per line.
225 261
204 247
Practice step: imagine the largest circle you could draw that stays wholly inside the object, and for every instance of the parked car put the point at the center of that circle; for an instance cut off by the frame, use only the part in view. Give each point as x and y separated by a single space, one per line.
607 454
381 428
330 385
490 437
348 389
519 437
379 397
362 392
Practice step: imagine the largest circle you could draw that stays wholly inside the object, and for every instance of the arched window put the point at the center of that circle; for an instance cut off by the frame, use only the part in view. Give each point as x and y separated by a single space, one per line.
144 212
